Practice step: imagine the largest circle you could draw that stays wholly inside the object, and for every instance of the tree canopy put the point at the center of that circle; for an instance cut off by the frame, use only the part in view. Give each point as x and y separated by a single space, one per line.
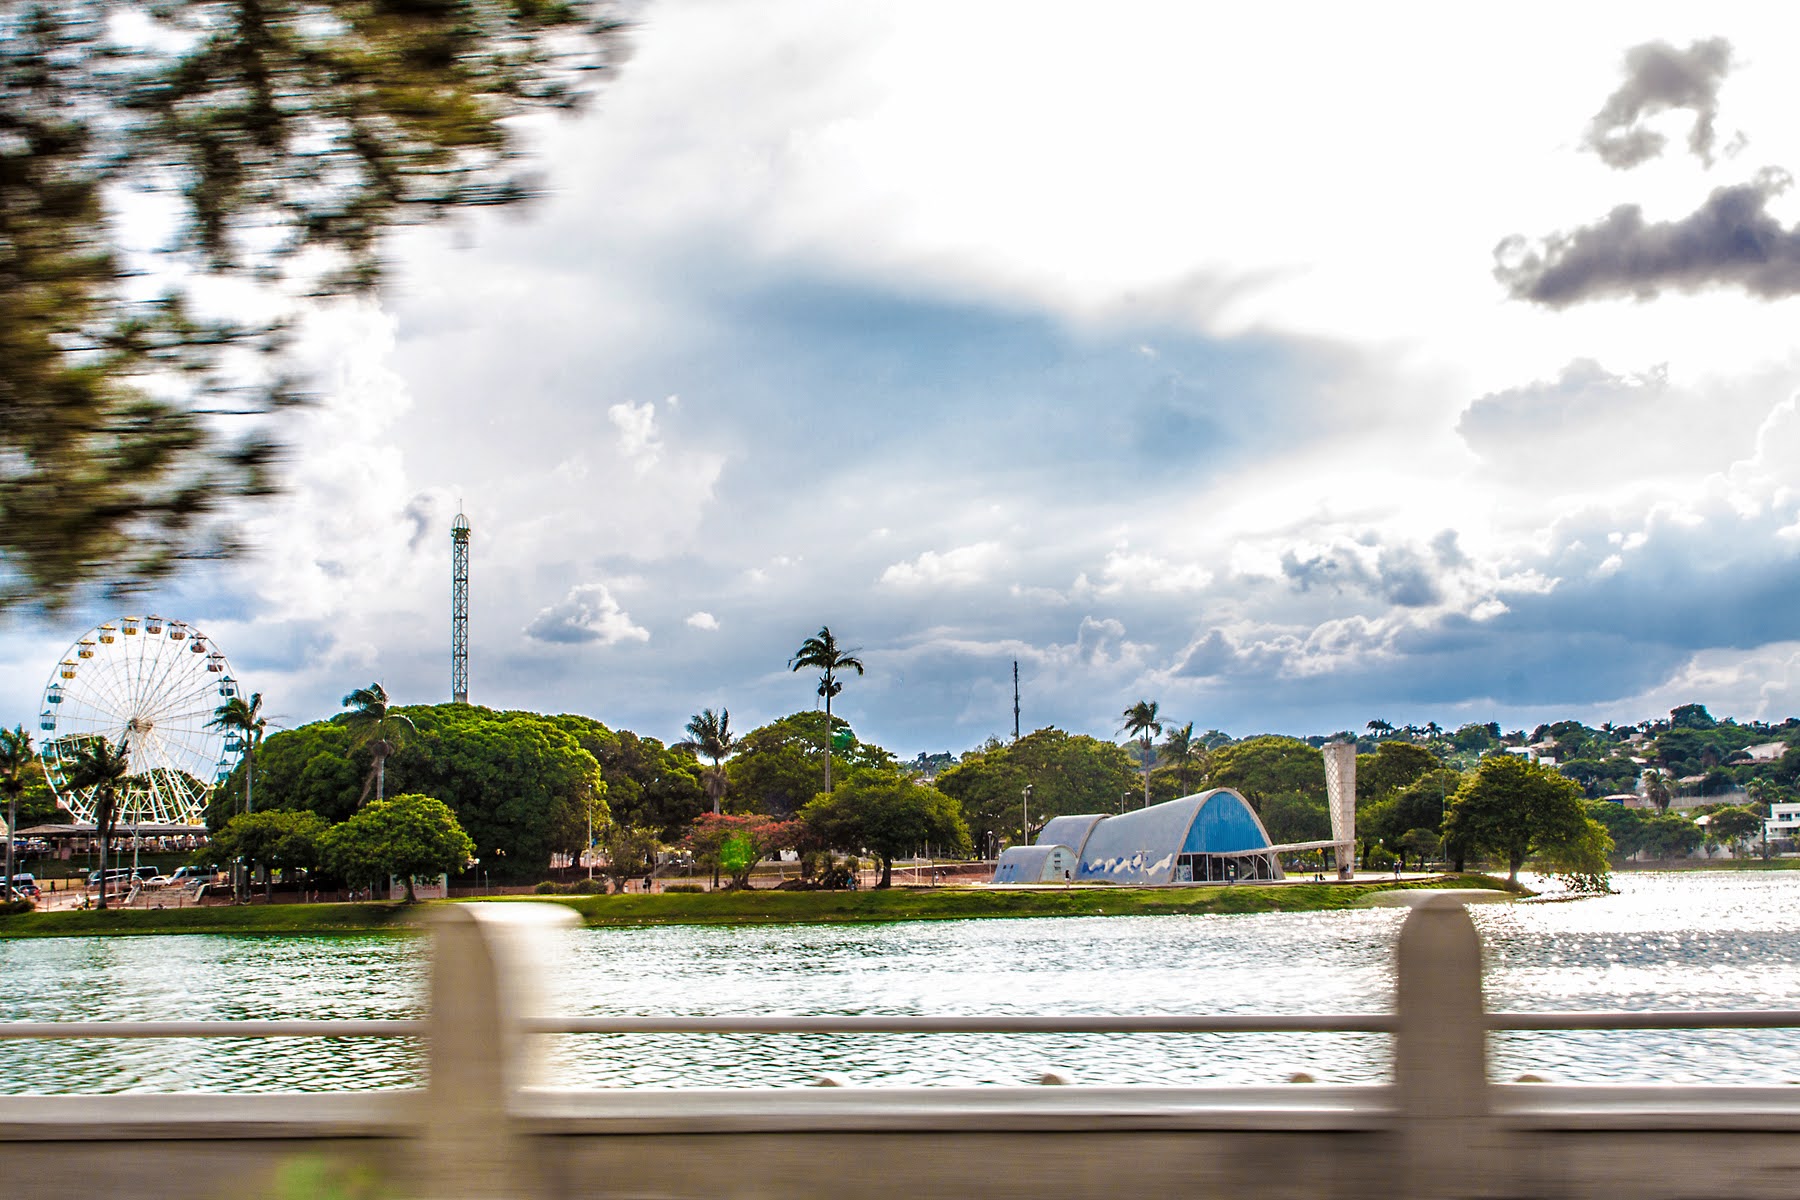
519 783
884 812
276 142
1511 807
406 836
1068 773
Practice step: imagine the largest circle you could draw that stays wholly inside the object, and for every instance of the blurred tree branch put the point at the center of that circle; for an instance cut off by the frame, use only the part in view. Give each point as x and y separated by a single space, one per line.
277 141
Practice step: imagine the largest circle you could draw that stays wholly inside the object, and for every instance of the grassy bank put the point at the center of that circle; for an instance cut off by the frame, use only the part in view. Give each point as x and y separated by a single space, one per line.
744 908
241 919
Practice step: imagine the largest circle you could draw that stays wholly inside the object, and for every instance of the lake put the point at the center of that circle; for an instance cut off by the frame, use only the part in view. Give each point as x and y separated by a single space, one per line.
1710 939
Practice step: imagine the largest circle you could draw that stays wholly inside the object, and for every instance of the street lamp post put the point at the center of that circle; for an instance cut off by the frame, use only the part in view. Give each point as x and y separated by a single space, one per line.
1027 824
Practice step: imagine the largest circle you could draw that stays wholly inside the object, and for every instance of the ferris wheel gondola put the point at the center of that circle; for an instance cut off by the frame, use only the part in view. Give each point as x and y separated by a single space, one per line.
155 692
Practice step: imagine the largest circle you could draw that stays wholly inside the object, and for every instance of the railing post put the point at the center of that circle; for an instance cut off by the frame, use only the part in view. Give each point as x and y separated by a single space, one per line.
1446 1134
485 961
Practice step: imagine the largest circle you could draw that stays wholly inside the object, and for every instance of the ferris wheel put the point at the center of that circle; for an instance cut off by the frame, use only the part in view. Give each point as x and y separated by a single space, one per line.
152 685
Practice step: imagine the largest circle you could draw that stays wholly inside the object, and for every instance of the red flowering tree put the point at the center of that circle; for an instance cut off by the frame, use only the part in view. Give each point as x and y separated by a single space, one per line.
734 844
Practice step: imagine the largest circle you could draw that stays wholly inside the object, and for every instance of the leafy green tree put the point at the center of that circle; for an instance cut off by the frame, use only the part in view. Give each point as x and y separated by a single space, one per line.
1670 835
1181 751
1624 825
1477 738
1511 807
408 835
244 719
1295 817
1732 826
273 841
735 844
630 853
1142 723
822 652
1393 765
648 785
100 765
776 768
1069 774
1263 766
16 760
887 814
372 722
282 138
519 783
710 734
1657 790
1580 860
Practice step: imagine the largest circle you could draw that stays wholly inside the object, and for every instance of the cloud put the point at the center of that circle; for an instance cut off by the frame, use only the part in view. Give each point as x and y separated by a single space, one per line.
638 440
702 620
953 568
1660 78
1395 573
1729 241
587 614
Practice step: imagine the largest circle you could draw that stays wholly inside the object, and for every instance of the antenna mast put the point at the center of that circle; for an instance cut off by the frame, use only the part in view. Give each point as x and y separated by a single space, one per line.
1015 699
459 609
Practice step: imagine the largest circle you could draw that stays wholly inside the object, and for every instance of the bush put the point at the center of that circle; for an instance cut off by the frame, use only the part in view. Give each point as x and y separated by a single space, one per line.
589 887
13 908
683 887
552 888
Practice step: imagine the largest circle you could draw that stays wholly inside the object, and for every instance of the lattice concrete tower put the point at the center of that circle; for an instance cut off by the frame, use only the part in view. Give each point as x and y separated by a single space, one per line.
459 609
1340 795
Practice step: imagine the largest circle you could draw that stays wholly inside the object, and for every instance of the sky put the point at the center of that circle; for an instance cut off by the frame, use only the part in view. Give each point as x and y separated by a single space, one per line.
1290 365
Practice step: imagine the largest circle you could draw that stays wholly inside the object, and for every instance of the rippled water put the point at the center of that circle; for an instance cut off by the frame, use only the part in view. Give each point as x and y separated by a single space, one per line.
1688 940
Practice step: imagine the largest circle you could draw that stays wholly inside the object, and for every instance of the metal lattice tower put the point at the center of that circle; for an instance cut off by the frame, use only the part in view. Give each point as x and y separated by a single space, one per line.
459 610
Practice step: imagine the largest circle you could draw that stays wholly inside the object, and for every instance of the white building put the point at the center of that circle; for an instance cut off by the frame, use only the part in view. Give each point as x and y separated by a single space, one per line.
1783 822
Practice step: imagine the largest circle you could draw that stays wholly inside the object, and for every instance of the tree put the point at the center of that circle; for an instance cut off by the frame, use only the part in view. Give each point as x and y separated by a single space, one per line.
1142 723
884 812
1657 790
16 757
1732 826
630 853
273 841
1393 765
100 765
711 735
1264 766
283 138
374 724
406 836
1069 774
245 719
1180 751
821 651
1511 807
776 767
736 844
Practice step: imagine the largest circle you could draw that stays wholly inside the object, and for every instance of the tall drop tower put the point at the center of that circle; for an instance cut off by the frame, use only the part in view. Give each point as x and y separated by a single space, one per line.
459 610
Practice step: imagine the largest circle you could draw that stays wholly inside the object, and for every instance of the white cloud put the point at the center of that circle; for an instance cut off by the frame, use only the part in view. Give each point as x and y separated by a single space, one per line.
960 567
638 442
587 614
702 620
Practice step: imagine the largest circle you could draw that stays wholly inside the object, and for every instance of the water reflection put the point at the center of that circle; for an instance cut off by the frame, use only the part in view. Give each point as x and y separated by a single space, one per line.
1695 940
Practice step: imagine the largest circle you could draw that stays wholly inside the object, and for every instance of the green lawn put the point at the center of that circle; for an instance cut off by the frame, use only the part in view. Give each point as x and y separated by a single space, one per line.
742 908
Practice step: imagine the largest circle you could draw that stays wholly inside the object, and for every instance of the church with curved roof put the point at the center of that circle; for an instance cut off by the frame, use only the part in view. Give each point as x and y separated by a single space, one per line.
1210 837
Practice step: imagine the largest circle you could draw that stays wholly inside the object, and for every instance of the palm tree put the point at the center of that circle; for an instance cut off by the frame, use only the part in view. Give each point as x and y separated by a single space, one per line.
1181 751
1380 728
245 719
98 765
1142 723
1657 790
822 651
374 724
711 735
15 756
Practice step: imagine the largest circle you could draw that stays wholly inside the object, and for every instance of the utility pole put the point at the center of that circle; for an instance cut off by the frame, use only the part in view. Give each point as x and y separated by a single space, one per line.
1027 815
459 610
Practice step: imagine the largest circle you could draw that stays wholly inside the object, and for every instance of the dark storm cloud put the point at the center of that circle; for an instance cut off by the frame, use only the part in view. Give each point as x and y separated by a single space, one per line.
1731 241
1658 78
1399 574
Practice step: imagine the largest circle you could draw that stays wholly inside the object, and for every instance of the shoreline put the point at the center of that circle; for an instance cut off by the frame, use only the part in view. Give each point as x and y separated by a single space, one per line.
745 908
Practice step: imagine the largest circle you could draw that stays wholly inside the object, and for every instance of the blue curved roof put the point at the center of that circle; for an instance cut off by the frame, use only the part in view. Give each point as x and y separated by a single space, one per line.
1141 846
